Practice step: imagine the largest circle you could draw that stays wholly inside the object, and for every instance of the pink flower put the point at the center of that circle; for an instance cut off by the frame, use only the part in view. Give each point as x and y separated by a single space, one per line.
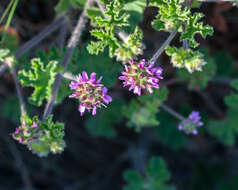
140 76
89 92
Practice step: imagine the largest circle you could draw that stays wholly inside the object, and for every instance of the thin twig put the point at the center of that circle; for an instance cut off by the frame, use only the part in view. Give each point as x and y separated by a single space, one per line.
36 40
70 48
172 112
10 63
161 49
42 35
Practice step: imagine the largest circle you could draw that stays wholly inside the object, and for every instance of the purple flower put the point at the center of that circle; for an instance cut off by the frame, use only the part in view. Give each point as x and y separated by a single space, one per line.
141 76
89 92
190 124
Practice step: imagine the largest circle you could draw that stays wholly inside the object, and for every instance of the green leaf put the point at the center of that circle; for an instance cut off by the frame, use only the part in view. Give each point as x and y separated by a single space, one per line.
225 130
193 27
199 79
41 77
155 178
102 124
170 15
63 5
142 112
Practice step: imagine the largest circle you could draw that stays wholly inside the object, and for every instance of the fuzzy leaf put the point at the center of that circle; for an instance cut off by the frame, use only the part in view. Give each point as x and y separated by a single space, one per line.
155 178
170 15
193 27
142 112
41 77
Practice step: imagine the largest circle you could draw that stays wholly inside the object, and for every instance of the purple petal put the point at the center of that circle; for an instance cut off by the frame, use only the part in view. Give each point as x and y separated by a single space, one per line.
122 78
94 110
99 80
107 99
93 77
151 64
73 85
195 132
85 76
81 109
21 140
180 127
137 90
104 91
150 89
131 62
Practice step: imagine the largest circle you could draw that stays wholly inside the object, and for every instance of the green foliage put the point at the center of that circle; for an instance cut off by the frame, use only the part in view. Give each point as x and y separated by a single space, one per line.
199 80
143 111
173 15
227 129
170 16
41 77
156 176
42 139
193 27
55 53
3 54
107 29
102 123
189 59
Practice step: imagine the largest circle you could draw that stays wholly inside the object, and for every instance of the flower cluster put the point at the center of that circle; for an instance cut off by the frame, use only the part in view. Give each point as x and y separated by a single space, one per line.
189 125
140 76
89 92
41 137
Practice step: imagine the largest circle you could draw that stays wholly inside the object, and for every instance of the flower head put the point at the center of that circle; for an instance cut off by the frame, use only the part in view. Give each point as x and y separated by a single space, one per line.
190 124
140 76
89 92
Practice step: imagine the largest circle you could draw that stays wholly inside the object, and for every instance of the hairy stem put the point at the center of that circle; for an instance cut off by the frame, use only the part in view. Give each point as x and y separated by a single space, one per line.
42 35
172 112
36 40
70 48
161 49
10 62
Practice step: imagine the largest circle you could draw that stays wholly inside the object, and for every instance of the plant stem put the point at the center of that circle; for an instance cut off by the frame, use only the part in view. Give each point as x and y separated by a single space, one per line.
39 37
172 112
161 49
36 40
70 48
10 62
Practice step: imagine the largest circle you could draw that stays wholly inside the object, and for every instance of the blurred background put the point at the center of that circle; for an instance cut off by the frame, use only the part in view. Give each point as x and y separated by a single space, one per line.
101 148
